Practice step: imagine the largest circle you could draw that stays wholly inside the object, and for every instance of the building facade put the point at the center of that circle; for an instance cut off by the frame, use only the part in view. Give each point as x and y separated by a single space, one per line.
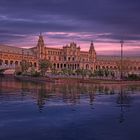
67 57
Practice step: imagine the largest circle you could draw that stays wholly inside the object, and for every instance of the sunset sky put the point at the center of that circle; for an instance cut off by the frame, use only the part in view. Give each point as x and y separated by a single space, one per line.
105 22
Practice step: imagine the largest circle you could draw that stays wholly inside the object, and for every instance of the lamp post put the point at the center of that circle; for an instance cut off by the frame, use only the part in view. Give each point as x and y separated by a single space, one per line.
22 61
122 42
0 54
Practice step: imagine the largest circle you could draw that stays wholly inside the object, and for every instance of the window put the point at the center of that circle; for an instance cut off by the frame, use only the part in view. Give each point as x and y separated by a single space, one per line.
54 58
54 65
16 62
65 58
1 62
49 58
35 64
61 66
58 66
6 62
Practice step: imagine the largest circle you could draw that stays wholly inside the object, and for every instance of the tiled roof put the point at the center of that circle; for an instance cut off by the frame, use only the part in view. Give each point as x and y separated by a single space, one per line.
136 58
12 49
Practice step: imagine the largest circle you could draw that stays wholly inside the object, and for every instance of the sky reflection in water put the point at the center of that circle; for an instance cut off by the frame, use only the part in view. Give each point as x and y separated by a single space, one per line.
69 111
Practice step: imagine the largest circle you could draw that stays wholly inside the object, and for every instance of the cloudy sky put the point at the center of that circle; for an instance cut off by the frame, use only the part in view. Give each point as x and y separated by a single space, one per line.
106 22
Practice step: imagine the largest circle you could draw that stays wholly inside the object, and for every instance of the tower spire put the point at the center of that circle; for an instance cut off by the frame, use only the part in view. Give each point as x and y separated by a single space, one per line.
40 47
92 45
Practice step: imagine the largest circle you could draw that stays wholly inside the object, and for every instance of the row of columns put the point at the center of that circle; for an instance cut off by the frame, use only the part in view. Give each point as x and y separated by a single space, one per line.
66 66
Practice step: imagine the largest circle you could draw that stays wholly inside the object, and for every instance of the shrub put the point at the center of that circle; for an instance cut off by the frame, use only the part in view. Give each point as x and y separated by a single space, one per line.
133 77
19 73
36 74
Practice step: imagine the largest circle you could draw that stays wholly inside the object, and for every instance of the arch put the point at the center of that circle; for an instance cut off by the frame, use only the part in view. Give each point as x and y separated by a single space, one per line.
87 66
58 65
35 64
131 68
135 68
30 64
68 58
103 67
6 62
115 67
16 62
75 66
65 59
1 61
11 62
111 67
54 58
64 65
61 66
54 65
49 57
78 66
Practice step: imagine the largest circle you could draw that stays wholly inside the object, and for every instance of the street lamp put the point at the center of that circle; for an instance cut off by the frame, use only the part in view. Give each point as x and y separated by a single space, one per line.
122 42
22 60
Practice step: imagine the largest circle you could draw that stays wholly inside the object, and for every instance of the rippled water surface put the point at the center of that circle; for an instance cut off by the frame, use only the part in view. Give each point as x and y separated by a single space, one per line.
68 111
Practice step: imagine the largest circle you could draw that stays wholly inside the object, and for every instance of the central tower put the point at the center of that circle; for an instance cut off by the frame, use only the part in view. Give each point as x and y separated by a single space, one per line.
92 52
40 48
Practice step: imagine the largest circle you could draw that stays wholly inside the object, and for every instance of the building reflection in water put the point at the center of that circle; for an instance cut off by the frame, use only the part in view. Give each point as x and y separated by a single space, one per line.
68 93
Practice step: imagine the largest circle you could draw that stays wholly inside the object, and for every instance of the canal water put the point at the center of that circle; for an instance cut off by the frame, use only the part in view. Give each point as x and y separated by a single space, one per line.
68 111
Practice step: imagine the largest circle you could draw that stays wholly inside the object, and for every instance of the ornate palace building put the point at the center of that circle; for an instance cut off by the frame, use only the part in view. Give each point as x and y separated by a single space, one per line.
67 57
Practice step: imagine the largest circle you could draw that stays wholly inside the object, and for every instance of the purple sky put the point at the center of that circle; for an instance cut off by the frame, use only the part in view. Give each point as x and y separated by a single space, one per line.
105 22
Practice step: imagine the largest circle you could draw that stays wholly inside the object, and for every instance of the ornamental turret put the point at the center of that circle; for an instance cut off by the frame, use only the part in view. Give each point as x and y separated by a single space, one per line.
40 48
92 52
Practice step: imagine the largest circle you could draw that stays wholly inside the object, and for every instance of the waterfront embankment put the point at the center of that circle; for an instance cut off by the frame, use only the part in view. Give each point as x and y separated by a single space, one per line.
70 79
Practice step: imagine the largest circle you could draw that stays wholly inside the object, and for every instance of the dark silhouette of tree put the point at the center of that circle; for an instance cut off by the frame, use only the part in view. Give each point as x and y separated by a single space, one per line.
44 65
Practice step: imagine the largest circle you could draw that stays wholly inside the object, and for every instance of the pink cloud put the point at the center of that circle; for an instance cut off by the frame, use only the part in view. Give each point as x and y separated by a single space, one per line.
59 39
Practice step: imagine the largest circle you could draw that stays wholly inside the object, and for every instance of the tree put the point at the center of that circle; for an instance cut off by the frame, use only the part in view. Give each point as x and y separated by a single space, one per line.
78 71
24 66
125 66
44 65
54 71
99 72
112 74
106 72
65 71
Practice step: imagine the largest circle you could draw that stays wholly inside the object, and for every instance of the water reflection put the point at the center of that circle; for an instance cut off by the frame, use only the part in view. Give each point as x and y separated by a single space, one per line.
67 93
124 101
